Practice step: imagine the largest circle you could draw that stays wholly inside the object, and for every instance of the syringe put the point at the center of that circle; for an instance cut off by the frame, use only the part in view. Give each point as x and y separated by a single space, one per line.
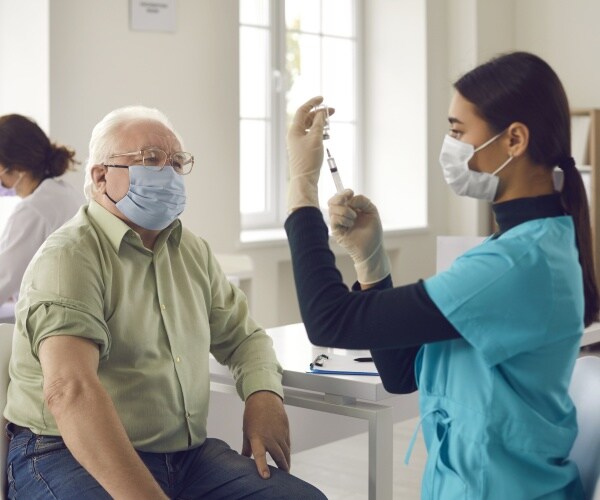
334 172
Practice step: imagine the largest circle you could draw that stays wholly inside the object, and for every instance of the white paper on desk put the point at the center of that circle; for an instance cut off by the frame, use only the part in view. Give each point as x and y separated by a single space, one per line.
344 365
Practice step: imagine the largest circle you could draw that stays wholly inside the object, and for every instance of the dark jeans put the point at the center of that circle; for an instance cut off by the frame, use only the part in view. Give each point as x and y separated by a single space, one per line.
41 467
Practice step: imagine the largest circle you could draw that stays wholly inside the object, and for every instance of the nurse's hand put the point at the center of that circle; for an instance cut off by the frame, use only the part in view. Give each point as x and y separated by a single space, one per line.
356 226
305 155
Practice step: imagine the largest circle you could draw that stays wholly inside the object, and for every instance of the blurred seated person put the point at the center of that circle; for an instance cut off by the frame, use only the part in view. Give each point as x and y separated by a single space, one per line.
31 168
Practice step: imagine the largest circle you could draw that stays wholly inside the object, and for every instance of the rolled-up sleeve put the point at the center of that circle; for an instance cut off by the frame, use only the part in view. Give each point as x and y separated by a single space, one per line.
63 297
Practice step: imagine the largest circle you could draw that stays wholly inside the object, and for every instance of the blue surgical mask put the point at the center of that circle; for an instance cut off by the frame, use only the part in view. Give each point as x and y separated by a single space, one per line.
155 197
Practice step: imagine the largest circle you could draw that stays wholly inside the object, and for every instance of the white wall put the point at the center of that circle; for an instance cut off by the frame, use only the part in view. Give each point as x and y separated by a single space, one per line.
566 34
24 59
395 122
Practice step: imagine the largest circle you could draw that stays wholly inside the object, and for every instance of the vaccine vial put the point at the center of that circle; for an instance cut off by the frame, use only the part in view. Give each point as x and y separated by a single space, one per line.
325 109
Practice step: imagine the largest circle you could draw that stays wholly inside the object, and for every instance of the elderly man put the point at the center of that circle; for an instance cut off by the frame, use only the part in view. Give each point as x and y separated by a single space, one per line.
118 313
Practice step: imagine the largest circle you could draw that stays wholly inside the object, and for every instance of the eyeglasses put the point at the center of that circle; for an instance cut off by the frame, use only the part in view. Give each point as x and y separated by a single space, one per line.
156 159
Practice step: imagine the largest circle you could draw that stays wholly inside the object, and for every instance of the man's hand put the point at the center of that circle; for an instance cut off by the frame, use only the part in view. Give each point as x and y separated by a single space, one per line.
266 429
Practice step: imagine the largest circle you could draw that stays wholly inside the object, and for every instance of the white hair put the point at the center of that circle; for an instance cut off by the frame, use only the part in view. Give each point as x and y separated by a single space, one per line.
105 136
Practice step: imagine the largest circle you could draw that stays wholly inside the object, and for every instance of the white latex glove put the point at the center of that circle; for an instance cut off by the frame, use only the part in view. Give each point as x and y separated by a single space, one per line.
356 226
305 155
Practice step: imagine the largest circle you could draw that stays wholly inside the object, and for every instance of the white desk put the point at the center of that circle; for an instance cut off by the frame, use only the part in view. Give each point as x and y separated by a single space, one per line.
353 396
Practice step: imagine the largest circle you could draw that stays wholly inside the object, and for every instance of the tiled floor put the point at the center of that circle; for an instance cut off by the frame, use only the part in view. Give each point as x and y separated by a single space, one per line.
339 469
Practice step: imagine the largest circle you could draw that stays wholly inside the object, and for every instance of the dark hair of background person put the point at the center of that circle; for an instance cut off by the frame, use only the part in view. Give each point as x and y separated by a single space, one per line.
521 87
24 146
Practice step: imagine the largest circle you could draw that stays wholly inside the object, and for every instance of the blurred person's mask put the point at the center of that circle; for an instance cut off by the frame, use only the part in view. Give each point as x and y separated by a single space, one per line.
6 191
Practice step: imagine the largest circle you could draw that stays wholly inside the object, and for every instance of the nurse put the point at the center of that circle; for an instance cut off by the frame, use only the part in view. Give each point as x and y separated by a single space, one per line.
491 343
31 167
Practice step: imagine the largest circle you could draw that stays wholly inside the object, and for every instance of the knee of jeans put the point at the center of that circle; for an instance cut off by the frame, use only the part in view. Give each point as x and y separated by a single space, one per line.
296 487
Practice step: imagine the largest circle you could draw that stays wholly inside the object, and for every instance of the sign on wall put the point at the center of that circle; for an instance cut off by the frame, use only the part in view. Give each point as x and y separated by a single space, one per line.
152 15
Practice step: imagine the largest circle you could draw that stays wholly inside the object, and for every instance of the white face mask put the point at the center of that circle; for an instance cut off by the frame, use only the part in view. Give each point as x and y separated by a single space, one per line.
454 159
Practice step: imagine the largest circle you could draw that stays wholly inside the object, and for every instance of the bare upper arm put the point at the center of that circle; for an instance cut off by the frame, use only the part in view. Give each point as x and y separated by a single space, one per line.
67 357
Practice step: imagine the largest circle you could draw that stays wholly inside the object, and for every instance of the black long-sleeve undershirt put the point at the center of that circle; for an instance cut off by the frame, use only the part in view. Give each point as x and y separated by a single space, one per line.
392 322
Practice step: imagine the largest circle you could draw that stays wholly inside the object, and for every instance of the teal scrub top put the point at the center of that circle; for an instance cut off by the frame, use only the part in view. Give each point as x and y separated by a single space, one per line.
497 418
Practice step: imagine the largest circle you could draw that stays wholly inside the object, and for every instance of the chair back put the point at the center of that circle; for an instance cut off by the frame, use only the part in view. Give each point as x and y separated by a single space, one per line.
6 334
585 393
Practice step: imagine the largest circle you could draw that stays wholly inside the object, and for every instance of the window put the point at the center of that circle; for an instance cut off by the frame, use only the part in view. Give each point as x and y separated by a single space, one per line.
290 51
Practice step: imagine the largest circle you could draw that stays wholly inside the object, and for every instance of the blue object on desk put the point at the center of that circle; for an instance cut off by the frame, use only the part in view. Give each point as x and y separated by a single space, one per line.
321 371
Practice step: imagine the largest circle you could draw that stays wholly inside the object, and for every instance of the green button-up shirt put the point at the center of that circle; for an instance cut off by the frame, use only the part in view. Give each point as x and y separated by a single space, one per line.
155 316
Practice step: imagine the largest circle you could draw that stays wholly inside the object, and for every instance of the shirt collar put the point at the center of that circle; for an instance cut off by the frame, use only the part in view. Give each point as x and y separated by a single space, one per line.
514 212
116 230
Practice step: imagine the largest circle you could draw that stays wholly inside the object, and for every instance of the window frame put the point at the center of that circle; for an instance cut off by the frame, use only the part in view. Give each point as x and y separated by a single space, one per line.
276 154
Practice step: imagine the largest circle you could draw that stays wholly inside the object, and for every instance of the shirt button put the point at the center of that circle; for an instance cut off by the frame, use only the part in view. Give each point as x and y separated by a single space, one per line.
163 307
187 414
178 359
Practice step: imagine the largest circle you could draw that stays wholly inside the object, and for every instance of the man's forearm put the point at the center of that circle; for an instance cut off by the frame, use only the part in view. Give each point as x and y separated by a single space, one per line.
93 432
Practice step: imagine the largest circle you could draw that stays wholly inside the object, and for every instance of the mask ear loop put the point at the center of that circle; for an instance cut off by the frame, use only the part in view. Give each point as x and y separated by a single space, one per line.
497 171
108 196
106 191
488 142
